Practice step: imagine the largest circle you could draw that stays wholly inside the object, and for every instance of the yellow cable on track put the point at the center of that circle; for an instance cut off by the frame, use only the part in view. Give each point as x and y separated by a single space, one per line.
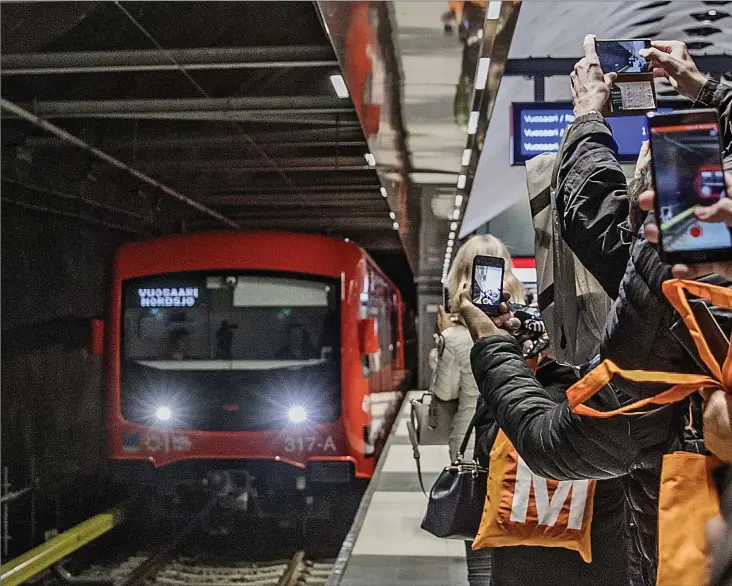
39 558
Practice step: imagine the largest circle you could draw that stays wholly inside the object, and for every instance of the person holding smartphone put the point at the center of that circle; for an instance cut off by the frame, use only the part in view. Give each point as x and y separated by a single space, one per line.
600 222
718 406
671 59
453 377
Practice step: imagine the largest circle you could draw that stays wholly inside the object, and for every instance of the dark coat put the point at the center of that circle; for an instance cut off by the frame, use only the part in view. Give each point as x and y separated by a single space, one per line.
592 193
555 443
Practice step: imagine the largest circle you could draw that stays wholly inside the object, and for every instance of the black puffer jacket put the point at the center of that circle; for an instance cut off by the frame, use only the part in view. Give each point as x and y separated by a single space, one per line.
592 189
556 443
518 566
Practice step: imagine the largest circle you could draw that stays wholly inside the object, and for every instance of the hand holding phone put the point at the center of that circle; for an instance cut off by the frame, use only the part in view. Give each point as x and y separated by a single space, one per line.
487 284
633 91
686 160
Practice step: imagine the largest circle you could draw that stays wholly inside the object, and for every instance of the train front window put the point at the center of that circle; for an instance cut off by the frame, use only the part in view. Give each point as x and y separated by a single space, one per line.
232 344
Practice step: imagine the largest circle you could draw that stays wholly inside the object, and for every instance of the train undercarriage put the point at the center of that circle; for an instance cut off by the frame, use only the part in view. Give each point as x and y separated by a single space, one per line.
320 500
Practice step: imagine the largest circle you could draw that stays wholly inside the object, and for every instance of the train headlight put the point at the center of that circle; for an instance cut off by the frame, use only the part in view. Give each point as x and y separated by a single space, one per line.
297 414
163 413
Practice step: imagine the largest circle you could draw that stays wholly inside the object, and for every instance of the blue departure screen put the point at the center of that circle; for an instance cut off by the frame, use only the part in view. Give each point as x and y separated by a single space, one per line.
538 128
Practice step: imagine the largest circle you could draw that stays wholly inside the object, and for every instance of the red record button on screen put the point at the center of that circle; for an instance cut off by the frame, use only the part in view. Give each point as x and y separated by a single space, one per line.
695 231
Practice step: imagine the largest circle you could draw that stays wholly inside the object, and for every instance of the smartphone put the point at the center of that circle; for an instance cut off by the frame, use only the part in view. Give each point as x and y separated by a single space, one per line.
446 299
686 160
487 290
623 55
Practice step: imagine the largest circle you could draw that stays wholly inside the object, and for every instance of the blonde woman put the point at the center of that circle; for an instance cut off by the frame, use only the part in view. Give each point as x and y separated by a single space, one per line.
453 377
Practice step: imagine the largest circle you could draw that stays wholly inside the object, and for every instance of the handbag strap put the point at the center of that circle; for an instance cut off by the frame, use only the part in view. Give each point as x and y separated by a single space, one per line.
412 431
479 414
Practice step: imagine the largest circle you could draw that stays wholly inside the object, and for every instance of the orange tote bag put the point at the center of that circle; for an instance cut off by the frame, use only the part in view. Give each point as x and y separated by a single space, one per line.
522 508
688 496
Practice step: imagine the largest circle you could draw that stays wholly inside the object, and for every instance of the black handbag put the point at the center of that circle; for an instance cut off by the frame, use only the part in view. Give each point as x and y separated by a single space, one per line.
457 498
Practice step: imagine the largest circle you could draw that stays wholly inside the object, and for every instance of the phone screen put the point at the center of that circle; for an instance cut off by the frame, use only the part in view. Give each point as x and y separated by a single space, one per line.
623 56
487 286
446 299
687 165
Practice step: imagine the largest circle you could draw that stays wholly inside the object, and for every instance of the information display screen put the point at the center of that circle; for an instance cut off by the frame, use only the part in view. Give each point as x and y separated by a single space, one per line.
538 127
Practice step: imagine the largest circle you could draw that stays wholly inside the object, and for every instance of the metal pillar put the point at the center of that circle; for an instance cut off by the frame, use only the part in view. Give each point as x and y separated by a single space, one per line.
539 89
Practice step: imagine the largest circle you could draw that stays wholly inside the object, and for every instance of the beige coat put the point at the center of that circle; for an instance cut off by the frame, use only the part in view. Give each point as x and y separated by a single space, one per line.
453 379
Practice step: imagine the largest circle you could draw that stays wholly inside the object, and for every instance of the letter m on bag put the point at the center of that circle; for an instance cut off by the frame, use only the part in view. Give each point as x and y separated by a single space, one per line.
548 509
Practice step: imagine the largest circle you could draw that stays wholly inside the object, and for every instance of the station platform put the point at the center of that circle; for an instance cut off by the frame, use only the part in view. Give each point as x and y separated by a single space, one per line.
386 546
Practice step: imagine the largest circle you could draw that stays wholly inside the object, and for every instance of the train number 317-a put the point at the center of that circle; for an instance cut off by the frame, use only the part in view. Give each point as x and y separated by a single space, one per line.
309 443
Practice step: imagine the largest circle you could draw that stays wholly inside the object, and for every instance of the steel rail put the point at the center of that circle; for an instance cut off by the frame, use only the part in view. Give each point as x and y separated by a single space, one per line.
294 570
154 562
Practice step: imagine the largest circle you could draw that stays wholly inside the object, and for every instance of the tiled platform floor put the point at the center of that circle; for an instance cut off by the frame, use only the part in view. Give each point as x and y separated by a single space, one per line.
390 549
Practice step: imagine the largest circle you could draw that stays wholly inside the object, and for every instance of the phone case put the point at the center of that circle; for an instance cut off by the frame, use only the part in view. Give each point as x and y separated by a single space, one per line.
492 310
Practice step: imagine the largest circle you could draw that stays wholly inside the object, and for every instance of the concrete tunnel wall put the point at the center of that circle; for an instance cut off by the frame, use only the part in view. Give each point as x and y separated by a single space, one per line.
55 276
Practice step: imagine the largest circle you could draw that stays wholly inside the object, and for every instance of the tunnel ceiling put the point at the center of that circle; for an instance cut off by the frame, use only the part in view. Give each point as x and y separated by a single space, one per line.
227 103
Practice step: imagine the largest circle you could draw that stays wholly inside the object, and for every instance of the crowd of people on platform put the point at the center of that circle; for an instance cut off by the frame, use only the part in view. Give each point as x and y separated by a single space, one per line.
482 363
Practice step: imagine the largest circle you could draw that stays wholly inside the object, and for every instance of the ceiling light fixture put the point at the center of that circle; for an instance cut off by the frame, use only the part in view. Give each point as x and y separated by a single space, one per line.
481 78
339 86
451 235
458 201
370 159
456 214
473 123
383 191
392 215
467 153
462 179
494 10
453 226
450 242
395 225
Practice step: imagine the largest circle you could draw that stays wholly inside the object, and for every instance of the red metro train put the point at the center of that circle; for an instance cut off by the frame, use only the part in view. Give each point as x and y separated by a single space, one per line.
245 362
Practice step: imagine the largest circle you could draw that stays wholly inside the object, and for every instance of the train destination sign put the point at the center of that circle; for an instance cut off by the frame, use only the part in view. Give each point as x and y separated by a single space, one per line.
168 296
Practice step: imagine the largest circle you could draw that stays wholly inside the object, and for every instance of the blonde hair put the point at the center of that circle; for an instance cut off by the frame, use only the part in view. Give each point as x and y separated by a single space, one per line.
458 280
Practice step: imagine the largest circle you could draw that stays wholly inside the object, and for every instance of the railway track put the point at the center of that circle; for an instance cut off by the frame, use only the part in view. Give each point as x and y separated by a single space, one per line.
189 571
